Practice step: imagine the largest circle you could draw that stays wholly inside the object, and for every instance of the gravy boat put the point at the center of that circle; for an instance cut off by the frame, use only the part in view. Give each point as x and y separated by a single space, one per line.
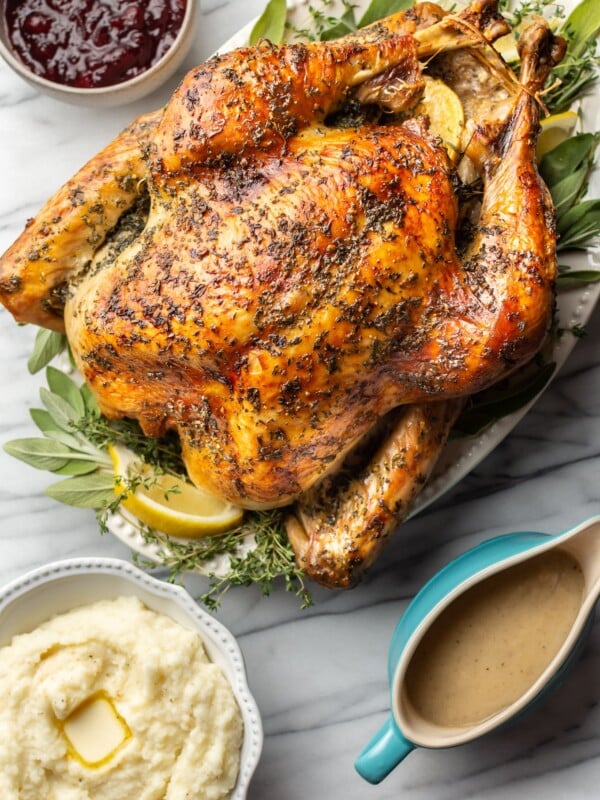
404 731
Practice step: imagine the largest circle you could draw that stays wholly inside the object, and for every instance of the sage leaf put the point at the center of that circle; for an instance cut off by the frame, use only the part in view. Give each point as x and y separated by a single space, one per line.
36 451
378 9
565 193
63 414
564 159
580 237
43 420
271 23
77 468
85 491
574 216
64 386
72 438
39 453
82 449
579 225
68 440
582 25
91 404
576 277
47 345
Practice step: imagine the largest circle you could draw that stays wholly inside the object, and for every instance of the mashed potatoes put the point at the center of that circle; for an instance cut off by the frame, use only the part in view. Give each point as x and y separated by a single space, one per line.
113 701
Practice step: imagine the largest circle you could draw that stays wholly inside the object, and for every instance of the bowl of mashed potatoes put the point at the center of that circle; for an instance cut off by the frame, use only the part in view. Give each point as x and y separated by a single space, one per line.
117 685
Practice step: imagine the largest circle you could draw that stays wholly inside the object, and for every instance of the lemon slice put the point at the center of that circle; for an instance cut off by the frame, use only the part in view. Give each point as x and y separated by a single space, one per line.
555 129
507 47
170 504
445 112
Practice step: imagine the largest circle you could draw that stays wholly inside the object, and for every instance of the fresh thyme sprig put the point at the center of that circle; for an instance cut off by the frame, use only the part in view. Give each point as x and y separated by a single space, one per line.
268 558
517 14
327 27
272 23
162 453
572 78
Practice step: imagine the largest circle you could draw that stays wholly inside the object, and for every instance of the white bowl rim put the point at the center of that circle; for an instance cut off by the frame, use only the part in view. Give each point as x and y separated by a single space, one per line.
220 637
187 23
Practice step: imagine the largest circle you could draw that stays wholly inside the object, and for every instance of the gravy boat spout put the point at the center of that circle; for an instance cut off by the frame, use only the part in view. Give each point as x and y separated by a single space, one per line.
563 569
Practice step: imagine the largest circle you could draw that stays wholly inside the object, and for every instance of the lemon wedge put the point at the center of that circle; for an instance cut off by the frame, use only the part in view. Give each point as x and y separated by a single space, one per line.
445 112
507 47
170 504
555 129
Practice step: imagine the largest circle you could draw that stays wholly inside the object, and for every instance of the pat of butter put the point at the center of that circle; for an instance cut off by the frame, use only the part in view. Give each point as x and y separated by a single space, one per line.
95 731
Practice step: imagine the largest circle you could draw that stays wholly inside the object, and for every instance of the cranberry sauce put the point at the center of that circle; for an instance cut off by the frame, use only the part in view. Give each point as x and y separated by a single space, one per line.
92 43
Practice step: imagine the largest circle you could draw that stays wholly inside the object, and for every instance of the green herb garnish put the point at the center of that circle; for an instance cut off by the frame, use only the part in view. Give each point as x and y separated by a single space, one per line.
578 71
271 23
269 560
74 441
63 449
516 15
47 345
566 170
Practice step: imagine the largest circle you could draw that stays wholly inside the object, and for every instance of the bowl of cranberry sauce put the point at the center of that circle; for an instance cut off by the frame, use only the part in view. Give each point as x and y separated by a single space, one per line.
106 52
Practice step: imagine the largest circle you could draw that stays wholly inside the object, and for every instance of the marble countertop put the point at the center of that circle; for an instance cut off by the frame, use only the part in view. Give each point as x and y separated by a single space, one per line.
319 675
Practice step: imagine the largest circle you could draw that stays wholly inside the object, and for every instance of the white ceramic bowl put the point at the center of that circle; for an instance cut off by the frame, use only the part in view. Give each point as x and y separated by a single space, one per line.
120 93
62 585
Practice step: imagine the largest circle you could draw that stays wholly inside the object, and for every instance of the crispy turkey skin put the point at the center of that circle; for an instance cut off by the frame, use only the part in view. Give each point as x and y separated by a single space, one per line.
295 281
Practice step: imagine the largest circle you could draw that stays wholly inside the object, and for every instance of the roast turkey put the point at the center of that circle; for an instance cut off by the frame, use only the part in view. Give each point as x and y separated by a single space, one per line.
279 266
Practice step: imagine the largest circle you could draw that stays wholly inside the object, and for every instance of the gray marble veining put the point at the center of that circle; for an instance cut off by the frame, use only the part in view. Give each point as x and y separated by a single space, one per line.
319 675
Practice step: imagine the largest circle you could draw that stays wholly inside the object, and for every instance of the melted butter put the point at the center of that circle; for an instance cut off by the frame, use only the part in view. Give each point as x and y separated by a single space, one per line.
95 731
490 645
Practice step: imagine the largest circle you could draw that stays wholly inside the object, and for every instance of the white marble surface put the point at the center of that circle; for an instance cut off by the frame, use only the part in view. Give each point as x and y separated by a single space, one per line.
319 676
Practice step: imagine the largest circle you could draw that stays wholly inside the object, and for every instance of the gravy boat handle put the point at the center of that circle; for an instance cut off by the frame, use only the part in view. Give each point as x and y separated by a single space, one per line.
386 750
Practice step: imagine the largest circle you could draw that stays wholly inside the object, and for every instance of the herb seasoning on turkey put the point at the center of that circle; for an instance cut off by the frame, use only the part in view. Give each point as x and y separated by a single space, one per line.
298 286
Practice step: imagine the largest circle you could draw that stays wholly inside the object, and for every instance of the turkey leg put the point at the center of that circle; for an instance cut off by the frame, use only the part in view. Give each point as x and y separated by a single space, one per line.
252 100
339 527
60 242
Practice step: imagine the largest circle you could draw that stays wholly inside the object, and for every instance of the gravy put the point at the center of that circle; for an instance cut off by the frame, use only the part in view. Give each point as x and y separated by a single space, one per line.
491 644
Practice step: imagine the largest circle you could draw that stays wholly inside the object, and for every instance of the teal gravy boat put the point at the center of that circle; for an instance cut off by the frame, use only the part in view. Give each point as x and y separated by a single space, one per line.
405 730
